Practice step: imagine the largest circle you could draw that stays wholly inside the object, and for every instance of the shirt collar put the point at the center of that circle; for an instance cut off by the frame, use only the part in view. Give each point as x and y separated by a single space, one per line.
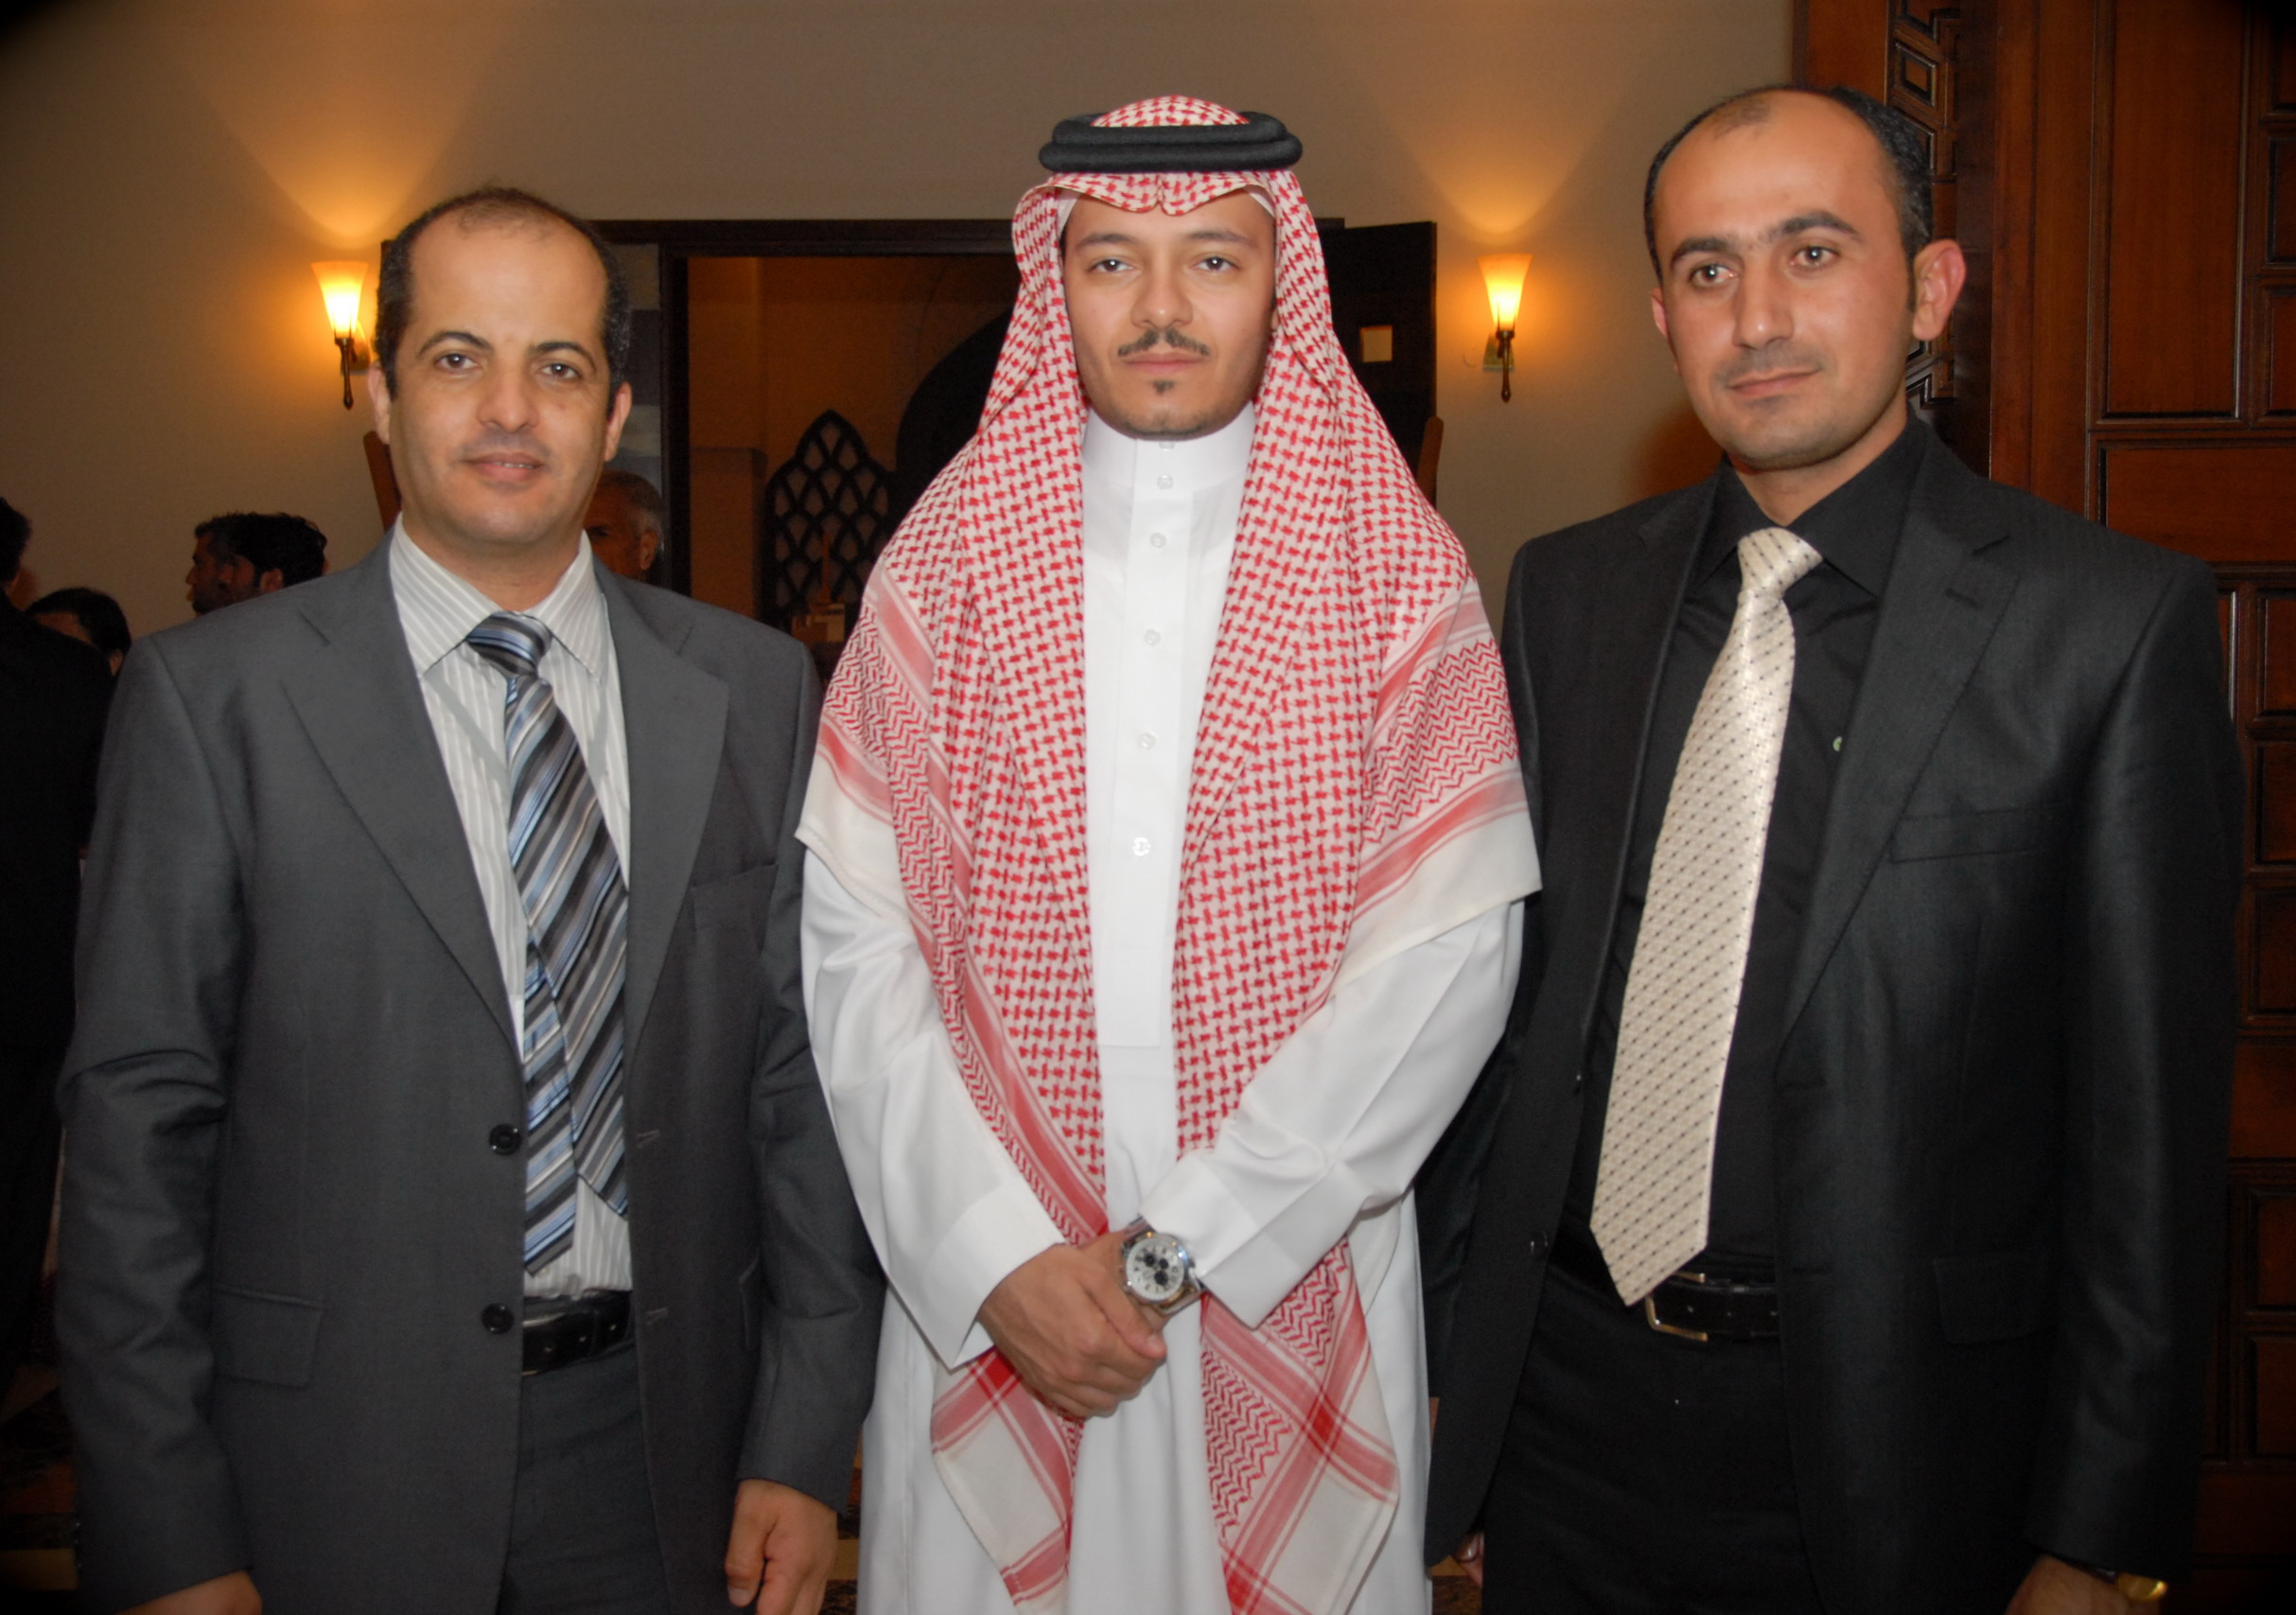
438 608
1222 456
1854 528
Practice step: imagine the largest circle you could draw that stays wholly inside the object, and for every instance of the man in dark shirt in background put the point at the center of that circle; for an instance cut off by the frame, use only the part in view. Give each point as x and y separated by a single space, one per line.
238 556
53 694
1833 1229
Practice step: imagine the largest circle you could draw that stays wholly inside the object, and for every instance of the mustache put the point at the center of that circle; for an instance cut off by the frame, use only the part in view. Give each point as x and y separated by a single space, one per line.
1771 357
1169 336
505 442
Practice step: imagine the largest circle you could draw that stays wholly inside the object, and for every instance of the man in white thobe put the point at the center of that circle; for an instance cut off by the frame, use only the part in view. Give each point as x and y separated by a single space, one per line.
1194 532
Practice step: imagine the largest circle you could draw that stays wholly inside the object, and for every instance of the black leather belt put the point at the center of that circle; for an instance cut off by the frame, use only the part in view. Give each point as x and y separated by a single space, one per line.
1693 1305
563 1331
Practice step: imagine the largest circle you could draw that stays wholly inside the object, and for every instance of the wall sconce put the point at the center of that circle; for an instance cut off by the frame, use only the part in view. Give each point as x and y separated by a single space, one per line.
342 285
1503 277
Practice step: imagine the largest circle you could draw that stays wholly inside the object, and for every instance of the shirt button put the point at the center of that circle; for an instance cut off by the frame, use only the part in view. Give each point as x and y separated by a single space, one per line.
498 1319
1152 638
505 1139
1165 480
1147 743
1140 845
1155 540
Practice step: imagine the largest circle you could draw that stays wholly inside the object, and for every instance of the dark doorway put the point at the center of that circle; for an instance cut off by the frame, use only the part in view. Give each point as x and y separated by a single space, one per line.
797 382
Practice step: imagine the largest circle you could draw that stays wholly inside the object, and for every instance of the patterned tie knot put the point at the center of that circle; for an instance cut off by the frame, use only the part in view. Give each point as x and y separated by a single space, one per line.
1772 561
511 643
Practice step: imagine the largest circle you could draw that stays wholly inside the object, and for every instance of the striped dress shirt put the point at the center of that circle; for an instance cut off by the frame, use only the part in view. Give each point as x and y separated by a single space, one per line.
464 695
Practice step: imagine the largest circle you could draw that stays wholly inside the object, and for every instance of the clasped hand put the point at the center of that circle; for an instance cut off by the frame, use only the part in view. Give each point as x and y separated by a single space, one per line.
1067 1325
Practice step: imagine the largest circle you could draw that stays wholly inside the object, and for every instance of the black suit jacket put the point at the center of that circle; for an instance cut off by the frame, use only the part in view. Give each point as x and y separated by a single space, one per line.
53 694
2002 1096
282 1217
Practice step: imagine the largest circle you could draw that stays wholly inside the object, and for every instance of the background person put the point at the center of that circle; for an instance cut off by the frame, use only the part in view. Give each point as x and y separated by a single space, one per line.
238 556
88 615
53 697
625 523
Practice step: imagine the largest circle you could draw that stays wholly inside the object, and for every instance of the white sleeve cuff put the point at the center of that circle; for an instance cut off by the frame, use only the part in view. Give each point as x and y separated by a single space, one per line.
996 1233
1249 1264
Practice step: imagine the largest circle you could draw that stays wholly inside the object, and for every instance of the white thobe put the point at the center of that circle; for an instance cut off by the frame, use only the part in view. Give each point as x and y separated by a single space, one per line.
1322 1147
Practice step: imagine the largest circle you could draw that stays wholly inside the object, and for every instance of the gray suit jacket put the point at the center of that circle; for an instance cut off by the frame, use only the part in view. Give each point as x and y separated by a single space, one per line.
282 1216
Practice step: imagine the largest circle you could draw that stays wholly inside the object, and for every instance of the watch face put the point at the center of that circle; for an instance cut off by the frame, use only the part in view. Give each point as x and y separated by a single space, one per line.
1154 1268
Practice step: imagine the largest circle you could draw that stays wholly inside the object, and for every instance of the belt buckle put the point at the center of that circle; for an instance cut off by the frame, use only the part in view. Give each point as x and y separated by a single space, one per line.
1650 1309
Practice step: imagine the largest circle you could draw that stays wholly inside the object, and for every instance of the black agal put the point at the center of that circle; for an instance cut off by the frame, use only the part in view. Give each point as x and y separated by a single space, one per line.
1079 146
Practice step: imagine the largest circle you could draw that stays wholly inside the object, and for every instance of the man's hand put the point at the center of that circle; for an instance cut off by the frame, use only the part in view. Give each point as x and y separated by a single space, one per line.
1469 1554
1065 1321
233 1594
779 1550
2054 1587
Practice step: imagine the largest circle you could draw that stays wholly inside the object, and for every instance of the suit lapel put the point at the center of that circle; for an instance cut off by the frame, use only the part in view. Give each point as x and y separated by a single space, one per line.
1626 654
1944 598
674 718
363 710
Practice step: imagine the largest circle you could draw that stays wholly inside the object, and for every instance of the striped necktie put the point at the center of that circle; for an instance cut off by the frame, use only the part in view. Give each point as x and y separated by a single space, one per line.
577 912
1653 1188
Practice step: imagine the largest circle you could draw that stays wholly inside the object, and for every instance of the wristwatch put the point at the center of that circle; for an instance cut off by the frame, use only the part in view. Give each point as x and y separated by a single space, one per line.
1158 1271
2134 1587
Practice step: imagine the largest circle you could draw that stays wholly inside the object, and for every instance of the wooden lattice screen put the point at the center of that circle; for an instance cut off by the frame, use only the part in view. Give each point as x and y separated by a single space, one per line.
827 512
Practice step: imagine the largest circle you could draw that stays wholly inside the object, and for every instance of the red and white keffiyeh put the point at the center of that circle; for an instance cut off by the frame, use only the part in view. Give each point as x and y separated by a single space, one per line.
1355 791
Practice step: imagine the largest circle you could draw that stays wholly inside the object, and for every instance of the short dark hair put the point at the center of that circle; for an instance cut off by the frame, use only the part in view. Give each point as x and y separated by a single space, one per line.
15 532
495 205
95 610
277 542
644 498
1905 156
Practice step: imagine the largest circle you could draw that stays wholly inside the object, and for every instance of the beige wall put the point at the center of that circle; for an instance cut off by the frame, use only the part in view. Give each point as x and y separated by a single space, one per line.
169 169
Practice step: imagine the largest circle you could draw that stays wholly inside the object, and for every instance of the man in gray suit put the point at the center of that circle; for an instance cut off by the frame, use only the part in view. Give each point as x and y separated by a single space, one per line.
453 1222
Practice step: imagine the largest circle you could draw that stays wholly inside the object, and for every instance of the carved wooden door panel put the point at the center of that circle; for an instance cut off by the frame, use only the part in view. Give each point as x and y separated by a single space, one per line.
2248 1510
2123 173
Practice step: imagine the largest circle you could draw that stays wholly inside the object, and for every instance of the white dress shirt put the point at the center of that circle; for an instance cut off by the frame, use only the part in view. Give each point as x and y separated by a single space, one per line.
464 695
1322 1148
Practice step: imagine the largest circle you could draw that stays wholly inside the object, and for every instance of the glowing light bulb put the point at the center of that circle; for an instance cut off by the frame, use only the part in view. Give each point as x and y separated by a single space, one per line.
342 285
1503 277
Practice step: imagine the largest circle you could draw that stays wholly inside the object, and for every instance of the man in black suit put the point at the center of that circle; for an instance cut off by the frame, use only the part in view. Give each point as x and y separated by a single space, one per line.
53 694
1835 1226
452 1220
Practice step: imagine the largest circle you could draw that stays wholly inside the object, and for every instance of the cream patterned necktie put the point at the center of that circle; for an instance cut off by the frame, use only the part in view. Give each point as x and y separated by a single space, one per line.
1650 1195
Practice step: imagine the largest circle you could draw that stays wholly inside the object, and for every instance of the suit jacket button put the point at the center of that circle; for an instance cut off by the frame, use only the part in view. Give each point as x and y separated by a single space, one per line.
1539 1243
505 1139
498 1319
1578 1082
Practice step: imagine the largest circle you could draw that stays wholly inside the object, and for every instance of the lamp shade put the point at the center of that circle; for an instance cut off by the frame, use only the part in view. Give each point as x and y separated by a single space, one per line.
1503 277
342 285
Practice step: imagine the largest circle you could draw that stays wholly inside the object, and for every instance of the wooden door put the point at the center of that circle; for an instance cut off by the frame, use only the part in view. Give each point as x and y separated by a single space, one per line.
2123 173
1383 306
